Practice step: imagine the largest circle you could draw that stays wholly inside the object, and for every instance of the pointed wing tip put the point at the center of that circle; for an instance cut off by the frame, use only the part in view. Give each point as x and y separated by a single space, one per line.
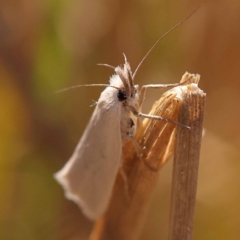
70 195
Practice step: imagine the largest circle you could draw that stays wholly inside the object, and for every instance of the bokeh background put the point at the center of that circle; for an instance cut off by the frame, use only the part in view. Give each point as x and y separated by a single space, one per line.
53 44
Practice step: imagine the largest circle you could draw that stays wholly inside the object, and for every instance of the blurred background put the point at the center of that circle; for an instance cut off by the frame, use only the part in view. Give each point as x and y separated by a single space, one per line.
53 44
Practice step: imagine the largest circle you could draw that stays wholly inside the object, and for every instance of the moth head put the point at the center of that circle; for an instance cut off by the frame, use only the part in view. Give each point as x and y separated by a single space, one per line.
125 73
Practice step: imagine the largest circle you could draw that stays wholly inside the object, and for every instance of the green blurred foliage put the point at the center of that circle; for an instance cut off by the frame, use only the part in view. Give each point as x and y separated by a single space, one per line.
49 45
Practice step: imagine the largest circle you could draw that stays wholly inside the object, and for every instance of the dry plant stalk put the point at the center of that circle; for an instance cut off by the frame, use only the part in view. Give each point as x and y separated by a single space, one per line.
185 164
126 212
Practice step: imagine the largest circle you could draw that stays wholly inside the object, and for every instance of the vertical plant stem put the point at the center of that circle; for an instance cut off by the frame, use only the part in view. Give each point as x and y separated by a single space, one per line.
185 165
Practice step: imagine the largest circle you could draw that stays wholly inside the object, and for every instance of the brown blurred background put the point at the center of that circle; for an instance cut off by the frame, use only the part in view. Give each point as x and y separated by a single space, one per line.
49 45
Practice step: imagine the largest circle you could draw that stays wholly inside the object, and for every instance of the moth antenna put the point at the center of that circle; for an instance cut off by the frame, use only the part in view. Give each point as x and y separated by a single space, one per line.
84 85
106 65
163 36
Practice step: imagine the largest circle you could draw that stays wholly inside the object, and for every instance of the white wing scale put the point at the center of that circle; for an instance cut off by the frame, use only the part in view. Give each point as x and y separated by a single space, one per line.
88 177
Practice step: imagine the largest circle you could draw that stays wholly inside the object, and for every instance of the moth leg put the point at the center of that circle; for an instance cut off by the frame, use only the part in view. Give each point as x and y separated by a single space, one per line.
145 87
125 180
162 119
94 103
143 115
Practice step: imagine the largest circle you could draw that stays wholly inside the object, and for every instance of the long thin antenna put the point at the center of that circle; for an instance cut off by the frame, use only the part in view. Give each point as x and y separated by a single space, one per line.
84 85
185 19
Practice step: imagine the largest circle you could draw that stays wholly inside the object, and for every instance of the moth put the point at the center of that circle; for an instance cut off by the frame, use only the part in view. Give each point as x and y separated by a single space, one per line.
89 175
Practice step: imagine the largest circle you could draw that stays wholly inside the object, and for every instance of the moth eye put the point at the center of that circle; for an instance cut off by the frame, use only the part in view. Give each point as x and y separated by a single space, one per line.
122 96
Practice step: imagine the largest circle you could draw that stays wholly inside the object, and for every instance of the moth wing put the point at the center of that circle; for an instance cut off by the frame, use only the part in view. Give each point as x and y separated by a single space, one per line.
88 177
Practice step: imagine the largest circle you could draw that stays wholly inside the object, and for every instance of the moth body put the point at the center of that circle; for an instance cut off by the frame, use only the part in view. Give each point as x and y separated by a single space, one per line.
89 175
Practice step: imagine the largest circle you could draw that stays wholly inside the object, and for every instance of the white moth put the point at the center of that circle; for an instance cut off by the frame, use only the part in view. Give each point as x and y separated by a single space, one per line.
89 175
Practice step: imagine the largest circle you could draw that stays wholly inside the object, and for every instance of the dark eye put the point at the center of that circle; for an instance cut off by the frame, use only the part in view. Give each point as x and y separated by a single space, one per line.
121 95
